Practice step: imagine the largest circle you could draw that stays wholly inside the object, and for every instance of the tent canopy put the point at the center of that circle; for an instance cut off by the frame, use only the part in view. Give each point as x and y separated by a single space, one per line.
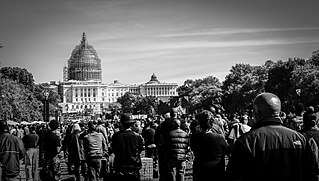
25 122
12 123
38 122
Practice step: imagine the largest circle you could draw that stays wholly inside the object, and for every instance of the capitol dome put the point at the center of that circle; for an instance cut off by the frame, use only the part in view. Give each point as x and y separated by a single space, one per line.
84 64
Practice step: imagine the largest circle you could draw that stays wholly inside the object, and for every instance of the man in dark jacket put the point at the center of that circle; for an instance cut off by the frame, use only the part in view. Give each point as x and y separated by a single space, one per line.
161 135
11 152
270 151
51 148
177 146
127 146
76 154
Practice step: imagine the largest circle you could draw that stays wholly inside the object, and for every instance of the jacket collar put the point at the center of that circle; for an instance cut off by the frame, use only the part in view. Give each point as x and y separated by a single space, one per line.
267 121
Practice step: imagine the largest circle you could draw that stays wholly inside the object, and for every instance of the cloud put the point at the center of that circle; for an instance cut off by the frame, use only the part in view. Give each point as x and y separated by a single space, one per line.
179 45
238 31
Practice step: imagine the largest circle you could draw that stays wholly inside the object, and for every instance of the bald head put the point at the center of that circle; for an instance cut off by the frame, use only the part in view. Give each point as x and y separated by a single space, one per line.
266 105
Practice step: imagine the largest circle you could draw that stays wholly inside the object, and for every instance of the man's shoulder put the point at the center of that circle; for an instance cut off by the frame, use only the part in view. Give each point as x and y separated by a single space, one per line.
274 131
95 133
178 132
33 135
130 133
8 137
52 136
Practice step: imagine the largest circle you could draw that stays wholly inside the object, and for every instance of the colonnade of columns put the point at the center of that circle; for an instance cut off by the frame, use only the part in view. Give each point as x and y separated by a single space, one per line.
160 91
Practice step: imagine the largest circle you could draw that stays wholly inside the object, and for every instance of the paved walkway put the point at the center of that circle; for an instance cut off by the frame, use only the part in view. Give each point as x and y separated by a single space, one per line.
64 172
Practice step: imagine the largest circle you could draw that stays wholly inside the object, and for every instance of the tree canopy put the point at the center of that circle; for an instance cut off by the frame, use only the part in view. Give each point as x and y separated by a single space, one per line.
21 99
244 82
18 103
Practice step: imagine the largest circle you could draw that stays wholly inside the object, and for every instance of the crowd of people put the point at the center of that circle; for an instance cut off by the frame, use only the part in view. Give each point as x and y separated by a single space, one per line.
266 145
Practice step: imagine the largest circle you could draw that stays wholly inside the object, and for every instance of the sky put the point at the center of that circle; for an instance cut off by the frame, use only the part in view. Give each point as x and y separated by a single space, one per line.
175 39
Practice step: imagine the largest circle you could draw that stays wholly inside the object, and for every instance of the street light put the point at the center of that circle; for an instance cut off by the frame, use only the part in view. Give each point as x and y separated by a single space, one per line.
46 106
298 91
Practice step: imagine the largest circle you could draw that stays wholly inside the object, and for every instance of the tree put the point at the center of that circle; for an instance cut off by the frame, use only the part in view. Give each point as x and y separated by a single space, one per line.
18 103
307 79
199 93
20 75
186 89
115 108
315 58
127 102
280 81
242 84
146 105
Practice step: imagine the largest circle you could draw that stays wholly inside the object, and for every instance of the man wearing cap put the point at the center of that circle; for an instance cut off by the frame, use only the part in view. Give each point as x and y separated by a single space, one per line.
11 152
127 146
270 151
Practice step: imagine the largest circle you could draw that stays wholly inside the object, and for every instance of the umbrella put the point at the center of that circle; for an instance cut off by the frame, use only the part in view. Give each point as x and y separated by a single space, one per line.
12 123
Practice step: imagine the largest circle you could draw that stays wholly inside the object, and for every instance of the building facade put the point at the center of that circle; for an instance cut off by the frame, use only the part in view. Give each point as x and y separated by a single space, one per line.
82 87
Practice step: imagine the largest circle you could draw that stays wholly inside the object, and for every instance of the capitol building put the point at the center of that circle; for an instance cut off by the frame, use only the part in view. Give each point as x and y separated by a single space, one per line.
82 86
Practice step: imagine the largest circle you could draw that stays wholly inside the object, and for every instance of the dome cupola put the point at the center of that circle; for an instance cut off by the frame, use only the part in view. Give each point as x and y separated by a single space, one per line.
153 80
84 64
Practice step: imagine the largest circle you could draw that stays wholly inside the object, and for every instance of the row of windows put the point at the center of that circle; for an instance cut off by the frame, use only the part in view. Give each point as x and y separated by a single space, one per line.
93 100
85 100
116 94
85 92
83 106
119 90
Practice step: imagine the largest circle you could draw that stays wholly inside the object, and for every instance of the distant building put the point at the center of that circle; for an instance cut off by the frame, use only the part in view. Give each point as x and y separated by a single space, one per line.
82 87
161 90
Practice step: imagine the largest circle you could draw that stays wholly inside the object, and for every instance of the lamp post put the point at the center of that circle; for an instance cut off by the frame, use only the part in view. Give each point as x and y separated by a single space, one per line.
298 92
46 106
4 113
